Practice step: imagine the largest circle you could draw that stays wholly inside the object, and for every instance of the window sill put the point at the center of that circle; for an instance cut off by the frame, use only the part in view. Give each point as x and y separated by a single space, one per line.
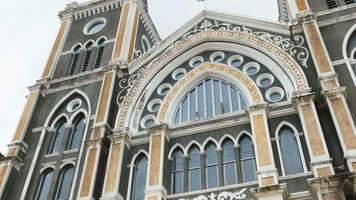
51 155
198 192
294 176
70 151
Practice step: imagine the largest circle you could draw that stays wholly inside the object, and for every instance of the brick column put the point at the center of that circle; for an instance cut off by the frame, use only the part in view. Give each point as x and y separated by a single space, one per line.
334 94
267 173
158 137
119 140
127 31
97 143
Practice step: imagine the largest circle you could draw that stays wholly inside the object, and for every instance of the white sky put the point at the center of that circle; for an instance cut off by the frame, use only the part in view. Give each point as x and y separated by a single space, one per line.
29 28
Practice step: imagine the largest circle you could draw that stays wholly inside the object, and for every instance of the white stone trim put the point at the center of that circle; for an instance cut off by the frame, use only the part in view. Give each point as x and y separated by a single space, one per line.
174 148
132 164
210 139
344 53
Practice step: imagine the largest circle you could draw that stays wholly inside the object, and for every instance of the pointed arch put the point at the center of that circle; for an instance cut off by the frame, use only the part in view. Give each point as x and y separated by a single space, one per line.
279 129
190 144
208 140
76 114
59 118
244 133
138 171
227 137
174 149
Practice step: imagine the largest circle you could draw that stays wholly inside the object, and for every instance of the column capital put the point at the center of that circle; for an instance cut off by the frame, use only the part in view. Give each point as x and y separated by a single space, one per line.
303 96
14 161
305 16
334 92
257 107
121 136
159 129
278 191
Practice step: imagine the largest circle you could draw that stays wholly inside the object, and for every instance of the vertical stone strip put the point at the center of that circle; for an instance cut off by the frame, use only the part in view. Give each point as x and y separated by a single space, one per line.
127 31
334 94
318 152
113 170
56 49
96 144
155 189
121 31
266 170
105 97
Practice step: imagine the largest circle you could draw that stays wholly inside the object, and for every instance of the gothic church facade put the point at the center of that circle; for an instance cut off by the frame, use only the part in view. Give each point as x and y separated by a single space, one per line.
227 107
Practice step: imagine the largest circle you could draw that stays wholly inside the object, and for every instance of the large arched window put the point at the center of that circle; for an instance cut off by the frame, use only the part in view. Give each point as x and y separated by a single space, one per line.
209 98
194 169
77 133
292 162
139 178
58 137
65 183
88 50
177 172
74 62
229 162
247 158
211 166
99 54
44 185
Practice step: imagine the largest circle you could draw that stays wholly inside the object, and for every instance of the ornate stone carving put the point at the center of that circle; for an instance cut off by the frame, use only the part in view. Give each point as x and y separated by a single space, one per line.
222 196
293 47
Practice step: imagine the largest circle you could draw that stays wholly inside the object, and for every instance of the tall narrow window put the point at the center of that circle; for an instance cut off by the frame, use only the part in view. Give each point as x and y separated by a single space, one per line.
44 185
194 169
211 166
88 48
209 98
65 183
58 137
99 55
77 133
74 62
145 44
177 172
290 152
139 179
229 162
247 156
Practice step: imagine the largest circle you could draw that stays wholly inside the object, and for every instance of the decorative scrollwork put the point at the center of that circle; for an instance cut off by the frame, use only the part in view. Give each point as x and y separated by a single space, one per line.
222 196
126 83
293 47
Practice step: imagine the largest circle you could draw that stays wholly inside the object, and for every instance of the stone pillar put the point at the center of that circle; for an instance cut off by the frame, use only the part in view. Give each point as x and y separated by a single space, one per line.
319 156
158 137
267 173
97 143
66 22
17 146
327 188
118 140
127 31
334 94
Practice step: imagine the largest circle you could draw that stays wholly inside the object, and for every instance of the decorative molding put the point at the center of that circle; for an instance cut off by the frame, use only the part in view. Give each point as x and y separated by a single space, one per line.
293 47
240 194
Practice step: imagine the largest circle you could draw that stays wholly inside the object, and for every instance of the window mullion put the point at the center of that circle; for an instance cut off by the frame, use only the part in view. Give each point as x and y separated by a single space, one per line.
213 96
196 103
204 97
230 98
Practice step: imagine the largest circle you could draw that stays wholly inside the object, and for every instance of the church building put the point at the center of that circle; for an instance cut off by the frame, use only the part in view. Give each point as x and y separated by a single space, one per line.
225 108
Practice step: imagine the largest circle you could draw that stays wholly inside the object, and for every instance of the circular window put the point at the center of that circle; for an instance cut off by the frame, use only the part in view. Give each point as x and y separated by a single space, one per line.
94 26
154 105
179 73
235 60
275 94
196 61
217 56
148 121
251 68
74 105
265 80
164 89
